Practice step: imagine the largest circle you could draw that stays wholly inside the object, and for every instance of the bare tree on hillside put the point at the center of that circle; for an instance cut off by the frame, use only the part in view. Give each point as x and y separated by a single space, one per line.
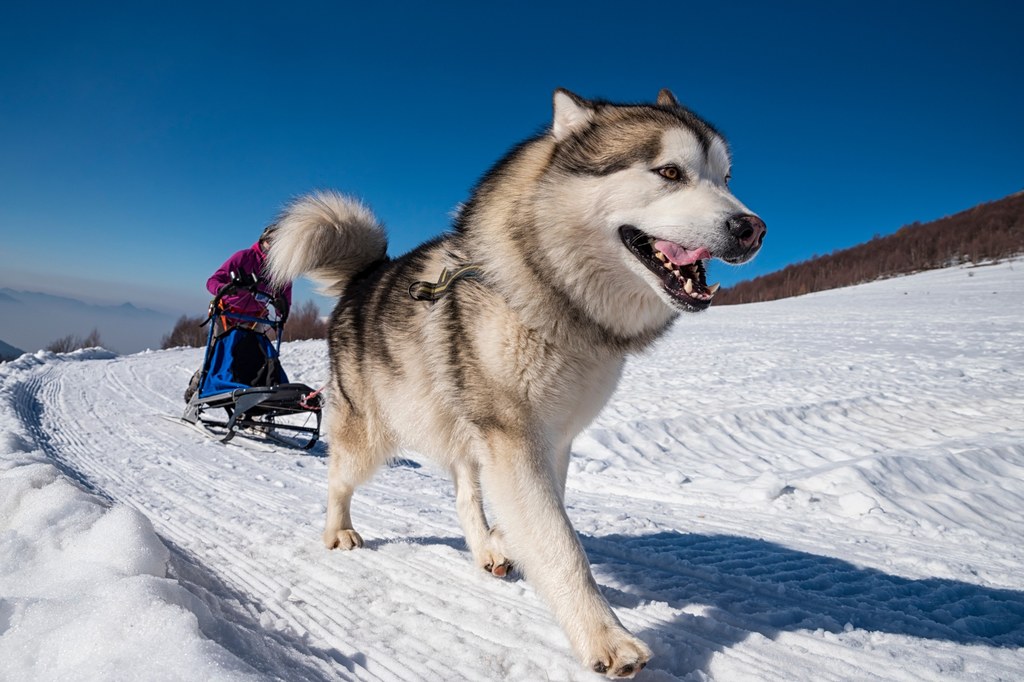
305 323
186 332
72 342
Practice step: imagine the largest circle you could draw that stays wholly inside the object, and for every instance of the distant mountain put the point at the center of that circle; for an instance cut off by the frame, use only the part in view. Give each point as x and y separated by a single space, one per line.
37 298
7 351
34 320
988 231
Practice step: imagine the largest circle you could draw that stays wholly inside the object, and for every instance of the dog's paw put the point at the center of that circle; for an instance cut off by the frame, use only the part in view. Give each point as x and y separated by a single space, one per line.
345 538
495 559
499 567
619 655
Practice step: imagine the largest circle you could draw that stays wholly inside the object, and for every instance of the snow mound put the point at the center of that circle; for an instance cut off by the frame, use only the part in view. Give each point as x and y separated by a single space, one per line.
85 590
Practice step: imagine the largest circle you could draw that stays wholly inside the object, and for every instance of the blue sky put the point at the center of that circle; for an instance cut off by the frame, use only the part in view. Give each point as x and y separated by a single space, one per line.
142 143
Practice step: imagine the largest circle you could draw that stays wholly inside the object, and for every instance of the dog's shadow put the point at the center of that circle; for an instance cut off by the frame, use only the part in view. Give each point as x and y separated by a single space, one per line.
726 587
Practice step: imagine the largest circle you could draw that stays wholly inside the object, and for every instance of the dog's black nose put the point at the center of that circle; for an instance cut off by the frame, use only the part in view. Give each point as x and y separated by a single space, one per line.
749 230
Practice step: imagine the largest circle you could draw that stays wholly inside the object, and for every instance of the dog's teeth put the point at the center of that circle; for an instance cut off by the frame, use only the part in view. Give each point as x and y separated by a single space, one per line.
714 287
688 287
660 256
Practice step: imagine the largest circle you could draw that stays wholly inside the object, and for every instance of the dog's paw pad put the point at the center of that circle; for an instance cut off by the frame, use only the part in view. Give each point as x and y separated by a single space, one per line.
495 558
499 570
630 669
624 658
343 539
624 670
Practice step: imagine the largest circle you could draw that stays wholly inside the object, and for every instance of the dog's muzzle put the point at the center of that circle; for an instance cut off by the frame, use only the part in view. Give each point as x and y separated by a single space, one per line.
681 270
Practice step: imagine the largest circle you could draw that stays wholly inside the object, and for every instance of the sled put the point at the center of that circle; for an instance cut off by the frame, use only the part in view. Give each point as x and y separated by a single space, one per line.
242 375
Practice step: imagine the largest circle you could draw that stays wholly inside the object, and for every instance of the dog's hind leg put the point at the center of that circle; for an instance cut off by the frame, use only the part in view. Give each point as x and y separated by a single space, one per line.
486 544
353 459
521 482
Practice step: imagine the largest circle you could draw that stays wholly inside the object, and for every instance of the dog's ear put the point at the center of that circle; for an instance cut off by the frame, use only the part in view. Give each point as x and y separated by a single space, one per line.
667 99
572 114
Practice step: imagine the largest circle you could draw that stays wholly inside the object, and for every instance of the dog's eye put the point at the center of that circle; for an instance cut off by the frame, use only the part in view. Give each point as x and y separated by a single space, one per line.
728 177
671 172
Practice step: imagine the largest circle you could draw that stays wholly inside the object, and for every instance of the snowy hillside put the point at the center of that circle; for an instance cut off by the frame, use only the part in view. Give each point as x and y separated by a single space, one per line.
822 488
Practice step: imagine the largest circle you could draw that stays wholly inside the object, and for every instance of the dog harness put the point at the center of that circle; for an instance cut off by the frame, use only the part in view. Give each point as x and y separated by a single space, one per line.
432 291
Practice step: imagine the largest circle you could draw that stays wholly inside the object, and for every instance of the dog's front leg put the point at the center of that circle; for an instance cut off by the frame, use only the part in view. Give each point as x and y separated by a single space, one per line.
486 544
561 464
338 531
519 478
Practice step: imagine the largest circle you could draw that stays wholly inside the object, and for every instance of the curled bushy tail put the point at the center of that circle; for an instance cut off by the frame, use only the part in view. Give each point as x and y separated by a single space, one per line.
328 237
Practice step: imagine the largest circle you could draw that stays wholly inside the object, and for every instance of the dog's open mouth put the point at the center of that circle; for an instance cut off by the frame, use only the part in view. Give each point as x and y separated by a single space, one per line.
681 270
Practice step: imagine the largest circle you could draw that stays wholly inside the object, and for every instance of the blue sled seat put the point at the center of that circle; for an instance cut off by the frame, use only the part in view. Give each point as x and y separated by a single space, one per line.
242 358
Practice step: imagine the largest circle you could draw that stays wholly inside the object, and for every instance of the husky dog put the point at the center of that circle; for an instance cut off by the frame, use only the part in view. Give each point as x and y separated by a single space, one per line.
583 244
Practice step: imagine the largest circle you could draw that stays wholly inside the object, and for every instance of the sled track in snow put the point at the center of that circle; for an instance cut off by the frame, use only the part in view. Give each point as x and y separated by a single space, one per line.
29 408
71 446
844 532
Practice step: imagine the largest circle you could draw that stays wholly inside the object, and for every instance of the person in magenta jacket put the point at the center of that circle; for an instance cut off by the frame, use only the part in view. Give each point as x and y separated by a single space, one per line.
243 263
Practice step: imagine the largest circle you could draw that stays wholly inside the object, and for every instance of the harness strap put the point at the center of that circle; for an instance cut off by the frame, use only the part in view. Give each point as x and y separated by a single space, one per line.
432 291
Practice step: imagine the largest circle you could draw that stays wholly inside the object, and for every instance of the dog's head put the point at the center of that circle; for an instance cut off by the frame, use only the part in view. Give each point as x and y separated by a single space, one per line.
654 180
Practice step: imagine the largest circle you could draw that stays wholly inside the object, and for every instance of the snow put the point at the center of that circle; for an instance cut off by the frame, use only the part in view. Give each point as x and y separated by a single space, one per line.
833 489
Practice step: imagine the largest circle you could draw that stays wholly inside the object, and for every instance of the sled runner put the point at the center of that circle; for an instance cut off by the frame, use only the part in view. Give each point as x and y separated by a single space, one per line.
242 374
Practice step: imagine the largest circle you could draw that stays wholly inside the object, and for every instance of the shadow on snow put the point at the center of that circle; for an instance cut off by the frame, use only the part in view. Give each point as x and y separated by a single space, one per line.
747 585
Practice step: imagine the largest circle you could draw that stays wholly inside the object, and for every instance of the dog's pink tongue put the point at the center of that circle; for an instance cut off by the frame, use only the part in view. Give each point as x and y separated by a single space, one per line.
679 255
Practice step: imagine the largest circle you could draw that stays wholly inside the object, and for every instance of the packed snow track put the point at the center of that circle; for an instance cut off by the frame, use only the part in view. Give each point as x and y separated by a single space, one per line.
829 487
